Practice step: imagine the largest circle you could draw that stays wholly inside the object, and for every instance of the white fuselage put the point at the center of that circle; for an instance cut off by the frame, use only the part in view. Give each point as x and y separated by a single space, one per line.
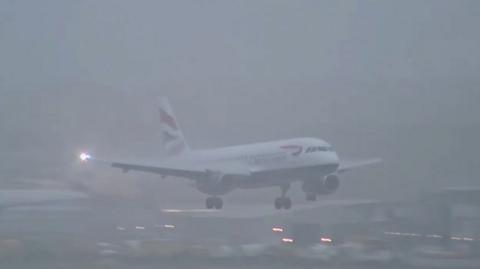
269 163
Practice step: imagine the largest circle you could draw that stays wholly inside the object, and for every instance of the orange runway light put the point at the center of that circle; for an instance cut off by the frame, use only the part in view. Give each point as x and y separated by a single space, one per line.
277 229
326 240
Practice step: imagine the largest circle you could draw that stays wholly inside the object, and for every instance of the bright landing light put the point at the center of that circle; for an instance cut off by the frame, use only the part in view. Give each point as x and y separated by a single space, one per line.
287 240
84 157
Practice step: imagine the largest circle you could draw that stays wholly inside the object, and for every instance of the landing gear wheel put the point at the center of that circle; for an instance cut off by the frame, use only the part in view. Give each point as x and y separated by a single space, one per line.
283 202
214 202
210 202
311 197
287 203
218 203
278 203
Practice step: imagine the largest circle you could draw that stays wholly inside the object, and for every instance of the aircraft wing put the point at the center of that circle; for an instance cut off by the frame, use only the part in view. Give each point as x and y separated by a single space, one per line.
348 165
176 170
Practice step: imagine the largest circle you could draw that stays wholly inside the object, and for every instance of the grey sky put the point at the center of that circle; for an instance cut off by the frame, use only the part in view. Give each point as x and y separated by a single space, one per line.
395 79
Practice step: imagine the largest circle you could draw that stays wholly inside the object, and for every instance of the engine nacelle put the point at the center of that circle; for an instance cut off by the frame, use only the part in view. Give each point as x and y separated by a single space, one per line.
327 185
331 183
215 184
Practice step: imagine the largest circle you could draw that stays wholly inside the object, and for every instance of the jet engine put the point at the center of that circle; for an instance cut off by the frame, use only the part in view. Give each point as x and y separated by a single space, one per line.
327 185
215 183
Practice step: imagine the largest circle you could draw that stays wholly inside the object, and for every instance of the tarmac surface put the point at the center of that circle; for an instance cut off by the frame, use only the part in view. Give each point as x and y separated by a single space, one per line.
51 236
112 264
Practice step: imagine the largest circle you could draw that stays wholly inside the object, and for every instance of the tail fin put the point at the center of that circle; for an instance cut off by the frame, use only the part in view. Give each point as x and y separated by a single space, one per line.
172 137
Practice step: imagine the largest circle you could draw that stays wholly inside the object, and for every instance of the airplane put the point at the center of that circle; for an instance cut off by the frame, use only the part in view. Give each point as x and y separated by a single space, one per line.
216 172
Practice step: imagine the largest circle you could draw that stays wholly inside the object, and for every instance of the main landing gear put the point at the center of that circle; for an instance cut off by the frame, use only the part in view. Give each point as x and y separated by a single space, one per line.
283 201
214 202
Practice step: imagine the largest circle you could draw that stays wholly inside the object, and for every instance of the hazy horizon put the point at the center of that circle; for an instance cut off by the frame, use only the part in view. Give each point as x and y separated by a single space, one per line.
391 79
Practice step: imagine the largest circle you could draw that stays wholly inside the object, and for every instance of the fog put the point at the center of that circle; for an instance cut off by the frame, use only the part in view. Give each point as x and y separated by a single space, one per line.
391 79
396 80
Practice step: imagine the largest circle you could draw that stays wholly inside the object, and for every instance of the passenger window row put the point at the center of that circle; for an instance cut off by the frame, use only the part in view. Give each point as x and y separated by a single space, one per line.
314 149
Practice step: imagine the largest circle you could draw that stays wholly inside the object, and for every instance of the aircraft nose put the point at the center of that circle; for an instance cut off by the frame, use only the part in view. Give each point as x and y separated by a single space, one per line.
335 159
331 161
